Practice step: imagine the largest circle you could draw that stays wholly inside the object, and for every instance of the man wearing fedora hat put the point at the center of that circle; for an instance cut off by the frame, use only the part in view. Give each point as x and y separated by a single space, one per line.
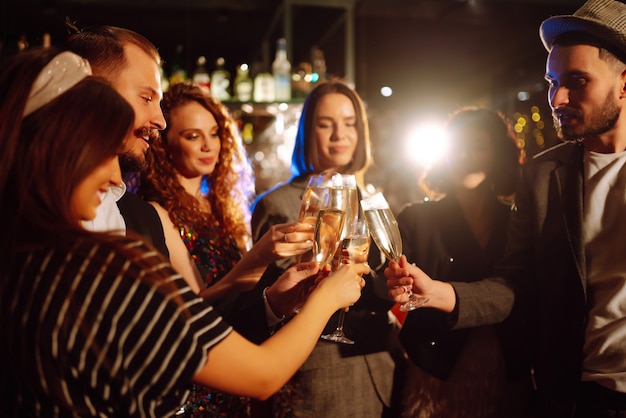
566 247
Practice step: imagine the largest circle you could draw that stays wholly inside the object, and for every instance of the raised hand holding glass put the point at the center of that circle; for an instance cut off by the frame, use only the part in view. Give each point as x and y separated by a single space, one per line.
384 230
354 249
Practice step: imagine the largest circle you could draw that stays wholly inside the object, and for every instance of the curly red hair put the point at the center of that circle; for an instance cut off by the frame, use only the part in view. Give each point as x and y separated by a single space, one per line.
229 189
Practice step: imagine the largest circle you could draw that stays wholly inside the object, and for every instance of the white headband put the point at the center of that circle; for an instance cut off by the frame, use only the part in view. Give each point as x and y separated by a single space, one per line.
59 75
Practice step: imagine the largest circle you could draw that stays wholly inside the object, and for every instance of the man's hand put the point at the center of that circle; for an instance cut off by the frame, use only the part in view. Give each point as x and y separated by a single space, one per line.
292 288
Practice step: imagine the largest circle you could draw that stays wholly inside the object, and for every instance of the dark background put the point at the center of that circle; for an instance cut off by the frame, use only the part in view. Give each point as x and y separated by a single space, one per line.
435 54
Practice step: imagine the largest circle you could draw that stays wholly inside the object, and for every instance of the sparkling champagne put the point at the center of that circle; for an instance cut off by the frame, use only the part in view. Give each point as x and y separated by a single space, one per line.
384 229
355 248
327 232
347 200
352 208
313 200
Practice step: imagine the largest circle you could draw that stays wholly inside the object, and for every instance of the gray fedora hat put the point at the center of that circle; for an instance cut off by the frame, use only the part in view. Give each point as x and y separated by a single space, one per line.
603 19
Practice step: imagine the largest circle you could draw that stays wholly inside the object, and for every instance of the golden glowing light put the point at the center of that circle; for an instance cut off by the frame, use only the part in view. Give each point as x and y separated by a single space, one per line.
427 144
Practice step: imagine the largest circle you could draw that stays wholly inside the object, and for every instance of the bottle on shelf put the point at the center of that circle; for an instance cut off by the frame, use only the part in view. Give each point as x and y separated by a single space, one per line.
247 133
178 74
46 41
264 88
281 71
201 75
243 84
220 81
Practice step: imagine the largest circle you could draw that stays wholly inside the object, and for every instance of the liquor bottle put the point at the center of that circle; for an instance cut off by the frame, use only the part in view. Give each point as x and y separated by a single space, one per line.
247 133
243 84
201 75
178 74
46 41
220 81
264 88
281 70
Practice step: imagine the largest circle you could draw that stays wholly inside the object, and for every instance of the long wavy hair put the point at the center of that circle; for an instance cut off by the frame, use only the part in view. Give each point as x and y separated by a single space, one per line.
304 159
508 156
229 189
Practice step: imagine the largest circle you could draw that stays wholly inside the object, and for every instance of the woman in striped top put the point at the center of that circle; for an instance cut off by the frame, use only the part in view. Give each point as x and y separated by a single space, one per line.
98 324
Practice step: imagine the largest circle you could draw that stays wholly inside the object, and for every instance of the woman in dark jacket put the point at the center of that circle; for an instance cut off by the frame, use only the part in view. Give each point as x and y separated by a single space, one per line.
459 232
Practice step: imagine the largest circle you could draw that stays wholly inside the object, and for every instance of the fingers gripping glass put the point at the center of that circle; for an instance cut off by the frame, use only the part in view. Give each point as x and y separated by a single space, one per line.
331 202
384 230
355 248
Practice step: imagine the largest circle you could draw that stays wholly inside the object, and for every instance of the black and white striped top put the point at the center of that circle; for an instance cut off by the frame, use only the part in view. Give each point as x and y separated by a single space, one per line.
83 336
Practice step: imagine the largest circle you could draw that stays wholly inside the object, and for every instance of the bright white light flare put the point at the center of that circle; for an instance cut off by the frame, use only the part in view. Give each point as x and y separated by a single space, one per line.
426 144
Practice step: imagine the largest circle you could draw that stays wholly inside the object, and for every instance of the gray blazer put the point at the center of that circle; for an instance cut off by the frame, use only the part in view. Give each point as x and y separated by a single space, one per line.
339 380
544 260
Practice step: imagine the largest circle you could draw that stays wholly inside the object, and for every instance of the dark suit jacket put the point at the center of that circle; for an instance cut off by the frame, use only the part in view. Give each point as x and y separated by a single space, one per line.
544 259
141 218
437 238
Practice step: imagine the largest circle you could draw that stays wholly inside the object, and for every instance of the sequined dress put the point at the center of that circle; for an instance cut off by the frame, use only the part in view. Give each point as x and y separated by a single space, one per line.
214 252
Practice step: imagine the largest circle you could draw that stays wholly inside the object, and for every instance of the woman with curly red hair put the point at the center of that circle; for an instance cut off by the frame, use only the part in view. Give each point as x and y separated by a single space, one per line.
200 182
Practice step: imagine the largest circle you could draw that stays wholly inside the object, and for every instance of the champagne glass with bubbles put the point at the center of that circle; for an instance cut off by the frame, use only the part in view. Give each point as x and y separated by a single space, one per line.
384 229
331 217
354 248
314 198
330 201
328 228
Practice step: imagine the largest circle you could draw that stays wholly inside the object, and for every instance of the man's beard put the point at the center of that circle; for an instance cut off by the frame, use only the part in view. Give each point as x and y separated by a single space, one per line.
132 164
601 121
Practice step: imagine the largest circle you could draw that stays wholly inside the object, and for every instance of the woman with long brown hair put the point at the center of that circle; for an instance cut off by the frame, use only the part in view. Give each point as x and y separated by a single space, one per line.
333 134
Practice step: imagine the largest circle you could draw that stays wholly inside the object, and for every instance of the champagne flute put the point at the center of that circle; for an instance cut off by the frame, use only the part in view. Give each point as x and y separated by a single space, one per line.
348 198
384 229
328 228
355 248
314 197
344 196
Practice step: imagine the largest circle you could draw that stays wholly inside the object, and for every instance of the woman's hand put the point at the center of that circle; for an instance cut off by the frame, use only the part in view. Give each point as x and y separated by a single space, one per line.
402 277
399 280
344 285
286 240
294 286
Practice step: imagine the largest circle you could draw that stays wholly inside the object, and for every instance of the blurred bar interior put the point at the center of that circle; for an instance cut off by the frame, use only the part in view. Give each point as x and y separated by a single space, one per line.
412 61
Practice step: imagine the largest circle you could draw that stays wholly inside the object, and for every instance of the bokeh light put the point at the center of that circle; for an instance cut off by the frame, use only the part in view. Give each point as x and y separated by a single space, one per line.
427 143
386 91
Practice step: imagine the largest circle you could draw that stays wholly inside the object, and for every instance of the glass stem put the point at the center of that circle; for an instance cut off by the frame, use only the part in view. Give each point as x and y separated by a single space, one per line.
342 315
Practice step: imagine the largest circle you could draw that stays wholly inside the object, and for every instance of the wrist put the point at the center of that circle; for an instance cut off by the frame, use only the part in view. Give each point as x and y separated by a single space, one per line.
443 297
277 311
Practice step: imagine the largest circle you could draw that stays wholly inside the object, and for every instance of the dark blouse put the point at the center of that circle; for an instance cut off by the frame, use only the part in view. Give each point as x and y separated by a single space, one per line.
438 239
